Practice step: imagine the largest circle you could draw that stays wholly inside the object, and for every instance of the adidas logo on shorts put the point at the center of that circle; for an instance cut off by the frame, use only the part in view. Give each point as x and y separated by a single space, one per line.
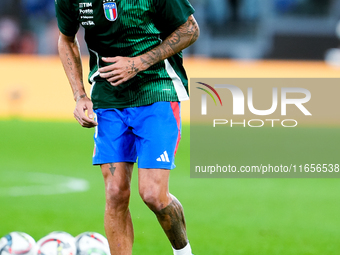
164 157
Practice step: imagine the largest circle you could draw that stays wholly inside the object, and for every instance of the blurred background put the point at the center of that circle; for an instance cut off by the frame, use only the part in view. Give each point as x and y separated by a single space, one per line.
251 29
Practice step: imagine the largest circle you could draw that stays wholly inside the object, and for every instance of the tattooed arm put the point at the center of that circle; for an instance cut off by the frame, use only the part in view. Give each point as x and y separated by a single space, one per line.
125 68
70 57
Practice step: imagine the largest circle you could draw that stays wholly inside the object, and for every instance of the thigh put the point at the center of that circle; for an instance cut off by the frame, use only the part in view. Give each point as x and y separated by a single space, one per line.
113 138
157 130
154 183
117 176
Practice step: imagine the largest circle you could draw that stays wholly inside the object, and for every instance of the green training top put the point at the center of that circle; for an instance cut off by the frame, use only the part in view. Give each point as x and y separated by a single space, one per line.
128 28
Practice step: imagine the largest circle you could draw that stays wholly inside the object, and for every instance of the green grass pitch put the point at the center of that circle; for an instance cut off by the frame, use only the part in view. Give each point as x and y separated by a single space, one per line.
224 216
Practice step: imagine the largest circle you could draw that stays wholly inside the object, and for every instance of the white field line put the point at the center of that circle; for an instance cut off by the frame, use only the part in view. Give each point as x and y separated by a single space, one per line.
44 184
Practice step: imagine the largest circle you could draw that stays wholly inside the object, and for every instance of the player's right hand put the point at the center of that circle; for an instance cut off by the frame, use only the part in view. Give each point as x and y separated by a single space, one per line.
84 104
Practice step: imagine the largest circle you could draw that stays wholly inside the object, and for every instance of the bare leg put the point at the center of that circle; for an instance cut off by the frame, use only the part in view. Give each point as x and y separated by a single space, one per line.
117 220
154 190
172 221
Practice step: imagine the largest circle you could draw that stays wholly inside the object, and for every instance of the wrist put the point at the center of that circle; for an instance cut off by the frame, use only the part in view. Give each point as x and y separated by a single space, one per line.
80 97
144 62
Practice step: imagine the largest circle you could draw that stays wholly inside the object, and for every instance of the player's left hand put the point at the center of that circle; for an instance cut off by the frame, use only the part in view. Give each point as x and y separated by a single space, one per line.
121 70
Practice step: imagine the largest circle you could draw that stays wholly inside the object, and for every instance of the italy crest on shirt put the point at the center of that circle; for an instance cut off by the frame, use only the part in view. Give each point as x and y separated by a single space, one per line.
110 10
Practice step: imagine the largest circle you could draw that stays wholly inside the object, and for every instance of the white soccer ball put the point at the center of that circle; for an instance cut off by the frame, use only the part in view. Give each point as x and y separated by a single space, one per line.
57 243
17 243
91 243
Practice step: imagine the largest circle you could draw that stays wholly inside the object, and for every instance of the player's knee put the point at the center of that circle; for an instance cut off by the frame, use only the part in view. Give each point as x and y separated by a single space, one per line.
154 200
116 197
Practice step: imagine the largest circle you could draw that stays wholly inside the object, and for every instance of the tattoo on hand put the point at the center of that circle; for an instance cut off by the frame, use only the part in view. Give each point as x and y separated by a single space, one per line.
112 168
132 67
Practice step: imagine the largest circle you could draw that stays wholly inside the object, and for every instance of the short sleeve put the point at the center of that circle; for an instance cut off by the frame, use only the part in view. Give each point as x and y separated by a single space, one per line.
66 17
170 14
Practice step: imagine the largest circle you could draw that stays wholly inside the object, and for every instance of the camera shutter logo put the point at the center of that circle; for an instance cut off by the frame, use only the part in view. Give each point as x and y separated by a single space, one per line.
204 97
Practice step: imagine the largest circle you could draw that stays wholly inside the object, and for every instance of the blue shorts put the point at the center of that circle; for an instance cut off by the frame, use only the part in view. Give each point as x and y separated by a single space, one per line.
151 132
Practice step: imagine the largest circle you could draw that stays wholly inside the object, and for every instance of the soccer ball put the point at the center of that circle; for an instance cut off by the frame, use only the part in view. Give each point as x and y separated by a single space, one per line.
16 243
91 243
57 243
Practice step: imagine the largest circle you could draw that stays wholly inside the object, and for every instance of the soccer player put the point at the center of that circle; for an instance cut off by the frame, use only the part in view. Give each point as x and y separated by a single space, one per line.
138 81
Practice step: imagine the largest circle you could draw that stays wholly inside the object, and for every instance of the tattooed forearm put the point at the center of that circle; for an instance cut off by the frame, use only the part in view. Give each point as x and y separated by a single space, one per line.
175 38
69 62
182 37
152 57
192 30
70 56
172 221
75 93
185 35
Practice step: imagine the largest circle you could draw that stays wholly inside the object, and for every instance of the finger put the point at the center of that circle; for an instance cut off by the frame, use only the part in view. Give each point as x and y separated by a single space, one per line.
109 67
117 83
108 74
115 78
110 59
83 119
89 125
88 122
90 113
78 119
106 69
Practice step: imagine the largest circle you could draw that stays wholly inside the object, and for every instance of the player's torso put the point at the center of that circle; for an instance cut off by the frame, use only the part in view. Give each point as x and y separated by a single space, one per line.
110 24
103 14
126 28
